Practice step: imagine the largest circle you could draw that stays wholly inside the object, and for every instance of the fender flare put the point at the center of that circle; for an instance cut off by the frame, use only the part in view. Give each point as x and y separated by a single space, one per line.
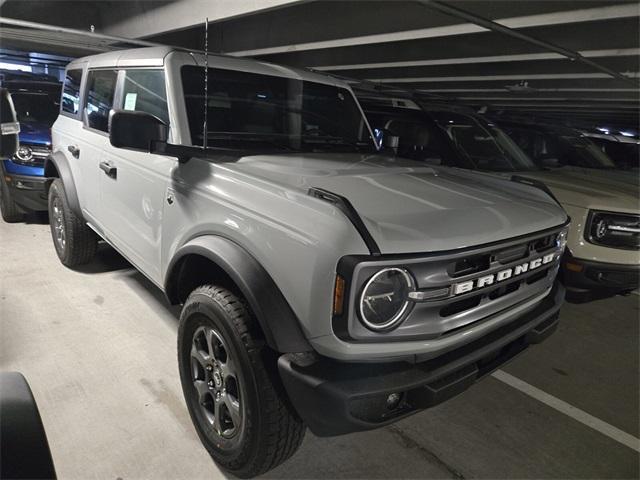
60 163
274 314
25 449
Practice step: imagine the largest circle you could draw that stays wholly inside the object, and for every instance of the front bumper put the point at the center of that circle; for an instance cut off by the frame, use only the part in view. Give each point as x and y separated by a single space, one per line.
578 274
335 398
27 191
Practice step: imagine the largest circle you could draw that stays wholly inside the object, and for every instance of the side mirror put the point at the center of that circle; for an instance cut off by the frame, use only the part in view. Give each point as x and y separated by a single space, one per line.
9 125
136 130
390 141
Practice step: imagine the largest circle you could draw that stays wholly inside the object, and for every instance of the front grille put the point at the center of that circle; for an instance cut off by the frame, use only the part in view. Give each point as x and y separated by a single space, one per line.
511 254
491 261
467 266
471 297
39 155
461 306
509 288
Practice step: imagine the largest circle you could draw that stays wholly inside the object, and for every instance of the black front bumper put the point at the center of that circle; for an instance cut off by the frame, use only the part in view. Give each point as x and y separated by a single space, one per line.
27 191
598 276
334 398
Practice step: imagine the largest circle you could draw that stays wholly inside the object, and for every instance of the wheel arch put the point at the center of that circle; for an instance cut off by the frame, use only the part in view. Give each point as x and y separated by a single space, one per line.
211 258
57 166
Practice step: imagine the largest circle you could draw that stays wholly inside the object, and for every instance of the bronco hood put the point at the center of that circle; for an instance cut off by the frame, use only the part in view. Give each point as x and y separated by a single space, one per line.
593 189
409 207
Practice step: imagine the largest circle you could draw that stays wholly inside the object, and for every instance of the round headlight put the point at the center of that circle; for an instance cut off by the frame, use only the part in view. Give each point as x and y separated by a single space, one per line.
24 153
601 229
384 301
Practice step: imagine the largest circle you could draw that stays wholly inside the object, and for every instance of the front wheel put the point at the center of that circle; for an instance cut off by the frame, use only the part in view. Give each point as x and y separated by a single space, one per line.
74 241
240 411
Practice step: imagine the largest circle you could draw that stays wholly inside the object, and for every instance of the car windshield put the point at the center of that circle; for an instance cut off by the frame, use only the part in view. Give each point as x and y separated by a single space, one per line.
36 107
558 147
581 152
255 111
624 155
484 145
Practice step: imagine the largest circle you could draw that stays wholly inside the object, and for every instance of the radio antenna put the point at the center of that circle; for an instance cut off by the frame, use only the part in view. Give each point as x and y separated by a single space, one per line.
205 130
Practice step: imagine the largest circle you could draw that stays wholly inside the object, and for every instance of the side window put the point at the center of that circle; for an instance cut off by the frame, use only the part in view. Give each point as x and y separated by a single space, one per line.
101 86
145 91
71 92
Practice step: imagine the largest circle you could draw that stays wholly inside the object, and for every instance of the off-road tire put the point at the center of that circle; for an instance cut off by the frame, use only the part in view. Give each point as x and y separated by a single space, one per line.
11 213
270 431
80 242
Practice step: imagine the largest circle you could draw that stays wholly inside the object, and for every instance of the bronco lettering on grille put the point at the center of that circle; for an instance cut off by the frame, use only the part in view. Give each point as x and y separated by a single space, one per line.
502 275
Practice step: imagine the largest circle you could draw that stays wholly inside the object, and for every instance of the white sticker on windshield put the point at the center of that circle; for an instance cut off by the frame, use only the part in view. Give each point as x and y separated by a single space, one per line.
130 101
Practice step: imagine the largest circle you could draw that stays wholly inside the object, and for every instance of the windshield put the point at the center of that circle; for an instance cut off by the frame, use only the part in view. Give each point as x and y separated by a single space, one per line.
485 146
624 155
581 152
559 148
249 110
36 107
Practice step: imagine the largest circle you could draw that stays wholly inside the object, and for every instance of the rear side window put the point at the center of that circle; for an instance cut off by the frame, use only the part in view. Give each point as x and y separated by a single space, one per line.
71 92
145 91
101 86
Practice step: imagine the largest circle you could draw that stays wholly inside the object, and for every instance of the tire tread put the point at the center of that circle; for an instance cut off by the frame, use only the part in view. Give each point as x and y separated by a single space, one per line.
81 241
284 430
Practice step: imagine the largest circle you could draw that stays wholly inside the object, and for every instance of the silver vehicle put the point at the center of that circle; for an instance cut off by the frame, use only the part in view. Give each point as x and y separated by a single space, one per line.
602 256
324 285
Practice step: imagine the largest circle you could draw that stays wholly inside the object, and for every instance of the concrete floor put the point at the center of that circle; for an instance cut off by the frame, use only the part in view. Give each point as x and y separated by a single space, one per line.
98 347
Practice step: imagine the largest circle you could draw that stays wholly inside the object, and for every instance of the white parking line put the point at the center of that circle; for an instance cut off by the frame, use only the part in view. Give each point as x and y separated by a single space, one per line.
569 410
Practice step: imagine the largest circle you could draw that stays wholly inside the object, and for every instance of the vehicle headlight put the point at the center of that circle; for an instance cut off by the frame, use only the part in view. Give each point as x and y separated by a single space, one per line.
24 155
384 300
617 230
561 239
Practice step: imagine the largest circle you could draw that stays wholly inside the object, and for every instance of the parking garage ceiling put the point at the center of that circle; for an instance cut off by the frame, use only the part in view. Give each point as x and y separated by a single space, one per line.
573 60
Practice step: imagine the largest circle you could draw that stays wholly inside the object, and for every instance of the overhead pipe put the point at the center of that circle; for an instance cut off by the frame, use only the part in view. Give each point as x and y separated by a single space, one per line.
497 27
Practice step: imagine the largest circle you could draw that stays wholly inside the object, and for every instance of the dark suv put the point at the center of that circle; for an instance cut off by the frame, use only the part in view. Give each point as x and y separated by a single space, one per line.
36 99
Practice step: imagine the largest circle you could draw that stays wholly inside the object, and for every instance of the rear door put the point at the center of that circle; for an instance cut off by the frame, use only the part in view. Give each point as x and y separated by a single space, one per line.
93 140
134 184
70 140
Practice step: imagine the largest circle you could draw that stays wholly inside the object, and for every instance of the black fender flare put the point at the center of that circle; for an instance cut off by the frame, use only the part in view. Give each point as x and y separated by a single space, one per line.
24 447
58 162
274 314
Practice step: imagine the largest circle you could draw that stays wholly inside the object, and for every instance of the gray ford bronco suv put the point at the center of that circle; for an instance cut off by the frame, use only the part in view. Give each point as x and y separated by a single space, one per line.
324 284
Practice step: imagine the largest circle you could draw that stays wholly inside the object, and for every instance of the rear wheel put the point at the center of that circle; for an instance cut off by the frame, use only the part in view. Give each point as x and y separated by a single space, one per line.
237 405
10 211
74 241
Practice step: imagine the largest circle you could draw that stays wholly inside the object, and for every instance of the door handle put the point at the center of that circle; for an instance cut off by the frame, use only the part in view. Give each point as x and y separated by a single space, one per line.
75 151
109 169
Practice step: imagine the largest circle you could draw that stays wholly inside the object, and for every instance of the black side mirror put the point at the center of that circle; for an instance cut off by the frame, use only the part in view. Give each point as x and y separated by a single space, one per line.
389 141
136 130
9 125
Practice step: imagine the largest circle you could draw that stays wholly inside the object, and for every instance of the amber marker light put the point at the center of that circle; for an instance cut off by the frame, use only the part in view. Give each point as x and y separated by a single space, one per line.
573 267
338 296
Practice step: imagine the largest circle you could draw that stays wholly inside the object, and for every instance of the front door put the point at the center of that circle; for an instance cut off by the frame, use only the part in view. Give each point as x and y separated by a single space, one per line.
134 184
